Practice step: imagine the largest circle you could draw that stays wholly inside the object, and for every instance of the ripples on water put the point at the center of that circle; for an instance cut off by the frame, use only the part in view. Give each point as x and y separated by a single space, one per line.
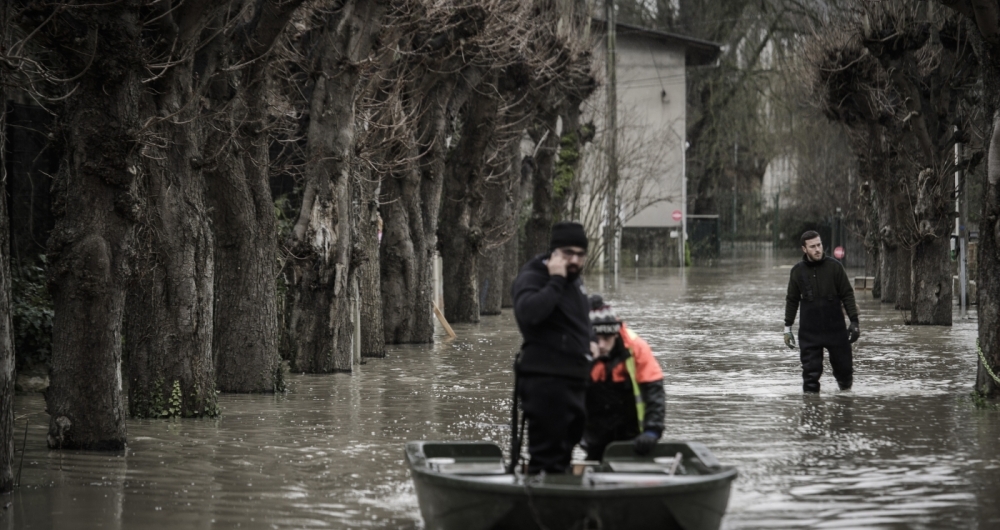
905 449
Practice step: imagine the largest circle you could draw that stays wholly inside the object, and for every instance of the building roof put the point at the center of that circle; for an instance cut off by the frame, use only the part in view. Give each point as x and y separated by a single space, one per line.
697 52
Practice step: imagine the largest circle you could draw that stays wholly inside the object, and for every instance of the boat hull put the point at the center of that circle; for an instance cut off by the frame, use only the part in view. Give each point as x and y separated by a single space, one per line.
597 500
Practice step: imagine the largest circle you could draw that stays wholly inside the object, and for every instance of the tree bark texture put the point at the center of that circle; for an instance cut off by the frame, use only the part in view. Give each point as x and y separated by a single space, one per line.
516 255
986 42
542 200
895 255
322 245
411 202
409 212
503 192
888 246
95 217
460 230
7 375
169 307
245 342
490 273
988 260
368 229
931 286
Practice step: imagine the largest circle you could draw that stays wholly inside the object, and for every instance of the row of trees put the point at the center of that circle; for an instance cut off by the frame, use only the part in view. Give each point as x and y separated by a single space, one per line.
902 83
902 79
397 124
914 84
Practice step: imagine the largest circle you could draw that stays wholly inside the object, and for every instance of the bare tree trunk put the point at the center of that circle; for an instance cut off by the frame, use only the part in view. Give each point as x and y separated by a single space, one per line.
888 247
95 213
904 278
411 202
988 273
516 256
887 274
931 288
369 233
169 303
503 194
7 375
895 254
542 213
460 231
321 241
245 343
497 233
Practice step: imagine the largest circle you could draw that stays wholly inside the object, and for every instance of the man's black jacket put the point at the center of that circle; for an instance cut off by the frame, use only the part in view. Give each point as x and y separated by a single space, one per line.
823 292
554 317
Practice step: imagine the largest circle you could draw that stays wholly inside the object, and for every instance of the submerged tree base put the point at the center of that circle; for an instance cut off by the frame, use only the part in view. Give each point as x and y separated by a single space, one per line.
982 401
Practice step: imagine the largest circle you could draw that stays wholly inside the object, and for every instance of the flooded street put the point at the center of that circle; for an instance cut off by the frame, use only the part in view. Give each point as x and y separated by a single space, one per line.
905 449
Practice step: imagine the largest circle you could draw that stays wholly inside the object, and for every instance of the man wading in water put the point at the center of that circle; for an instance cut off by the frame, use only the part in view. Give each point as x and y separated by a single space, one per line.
552 312
820 284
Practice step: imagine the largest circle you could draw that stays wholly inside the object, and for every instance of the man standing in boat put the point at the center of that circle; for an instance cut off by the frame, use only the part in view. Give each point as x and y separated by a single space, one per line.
820 285
625 397
552 312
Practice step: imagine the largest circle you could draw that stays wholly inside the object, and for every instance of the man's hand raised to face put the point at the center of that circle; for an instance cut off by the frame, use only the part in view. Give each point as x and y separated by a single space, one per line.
557 264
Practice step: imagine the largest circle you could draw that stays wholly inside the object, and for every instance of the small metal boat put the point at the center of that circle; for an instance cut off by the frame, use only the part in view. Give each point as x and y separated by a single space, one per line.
465 486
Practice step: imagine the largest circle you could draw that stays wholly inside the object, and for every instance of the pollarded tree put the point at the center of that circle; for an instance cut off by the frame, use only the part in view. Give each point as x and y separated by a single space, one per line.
538 57
323 239
169 307
98 48
6 342
984 17
245 342
427 76
460 233
917 72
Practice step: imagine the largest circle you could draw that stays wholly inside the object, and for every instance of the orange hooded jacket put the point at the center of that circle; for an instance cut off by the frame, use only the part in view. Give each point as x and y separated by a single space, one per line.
647 369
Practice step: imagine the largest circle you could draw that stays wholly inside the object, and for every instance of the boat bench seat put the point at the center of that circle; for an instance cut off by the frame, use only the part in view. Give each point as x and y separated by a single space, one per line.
465 467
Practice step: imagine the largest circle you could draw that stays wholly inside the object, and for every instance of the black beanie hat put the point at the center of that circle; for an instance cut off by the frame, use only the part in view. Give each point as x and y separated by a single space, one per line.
568 234
602 317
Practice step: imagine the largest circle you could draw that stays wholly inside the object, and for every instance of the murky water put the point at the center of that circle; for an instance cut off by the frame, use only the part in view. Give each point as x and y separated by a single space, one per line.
905 449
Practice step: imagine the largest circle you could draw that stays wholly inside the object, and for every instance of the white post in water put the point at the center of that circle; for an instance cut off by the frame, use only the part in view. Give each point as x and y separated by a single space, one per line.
438 288
356 314
960 230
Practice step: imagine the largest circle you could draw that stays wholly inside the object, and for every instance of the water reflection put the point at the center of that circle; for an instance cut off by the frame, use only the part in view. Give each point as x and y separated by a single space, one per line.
905 449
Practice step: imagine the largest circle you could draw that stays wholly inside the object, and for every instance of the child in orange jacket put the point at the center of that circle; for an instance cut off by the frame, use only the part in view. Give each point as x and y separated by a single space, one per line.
625 398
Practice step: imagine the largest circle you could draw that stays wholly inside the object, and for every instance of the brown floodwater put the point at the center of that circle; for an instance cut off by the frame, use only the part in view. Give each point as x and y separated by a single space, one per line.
905 449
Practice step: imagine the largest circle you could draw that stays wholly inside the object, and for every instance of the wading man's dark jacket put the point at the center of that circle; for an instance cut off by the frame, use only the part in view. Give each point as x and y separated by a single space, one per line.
823 291
554 317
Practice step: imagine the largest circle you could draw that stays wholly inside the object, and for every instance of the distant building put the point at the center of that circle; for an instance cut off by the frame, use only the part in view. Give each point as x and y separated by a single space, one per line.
651 71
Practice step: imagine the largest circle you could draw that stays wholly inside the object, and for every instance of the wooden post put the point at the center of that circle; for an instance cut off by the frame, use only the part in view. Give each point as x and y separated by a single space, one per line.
444 321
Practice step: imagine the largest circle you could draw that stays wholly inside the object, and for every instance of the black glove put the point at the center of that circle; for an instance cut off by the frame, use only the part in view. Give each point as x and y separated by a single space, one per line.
853 332
645 442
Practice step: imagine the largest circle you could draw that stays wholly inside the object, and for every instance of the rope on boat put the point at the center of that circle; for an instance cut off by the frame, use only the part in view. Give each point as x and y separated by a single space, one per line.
526 482
986 364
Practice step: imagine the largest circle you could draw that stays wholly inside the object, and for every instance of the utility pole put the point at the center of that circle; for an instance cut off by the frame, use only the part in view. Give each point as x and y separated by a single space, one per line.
611 220
684 203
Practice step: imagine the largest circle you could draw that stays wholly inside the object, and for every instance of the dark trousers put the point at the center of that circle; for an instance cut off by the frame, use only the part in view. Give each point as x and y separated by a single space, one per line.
556 413
841 360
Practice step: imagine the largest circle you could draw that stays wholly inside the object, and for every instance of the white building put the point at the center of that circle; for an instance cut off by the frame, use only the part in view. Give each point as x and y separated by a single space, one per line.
651 72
